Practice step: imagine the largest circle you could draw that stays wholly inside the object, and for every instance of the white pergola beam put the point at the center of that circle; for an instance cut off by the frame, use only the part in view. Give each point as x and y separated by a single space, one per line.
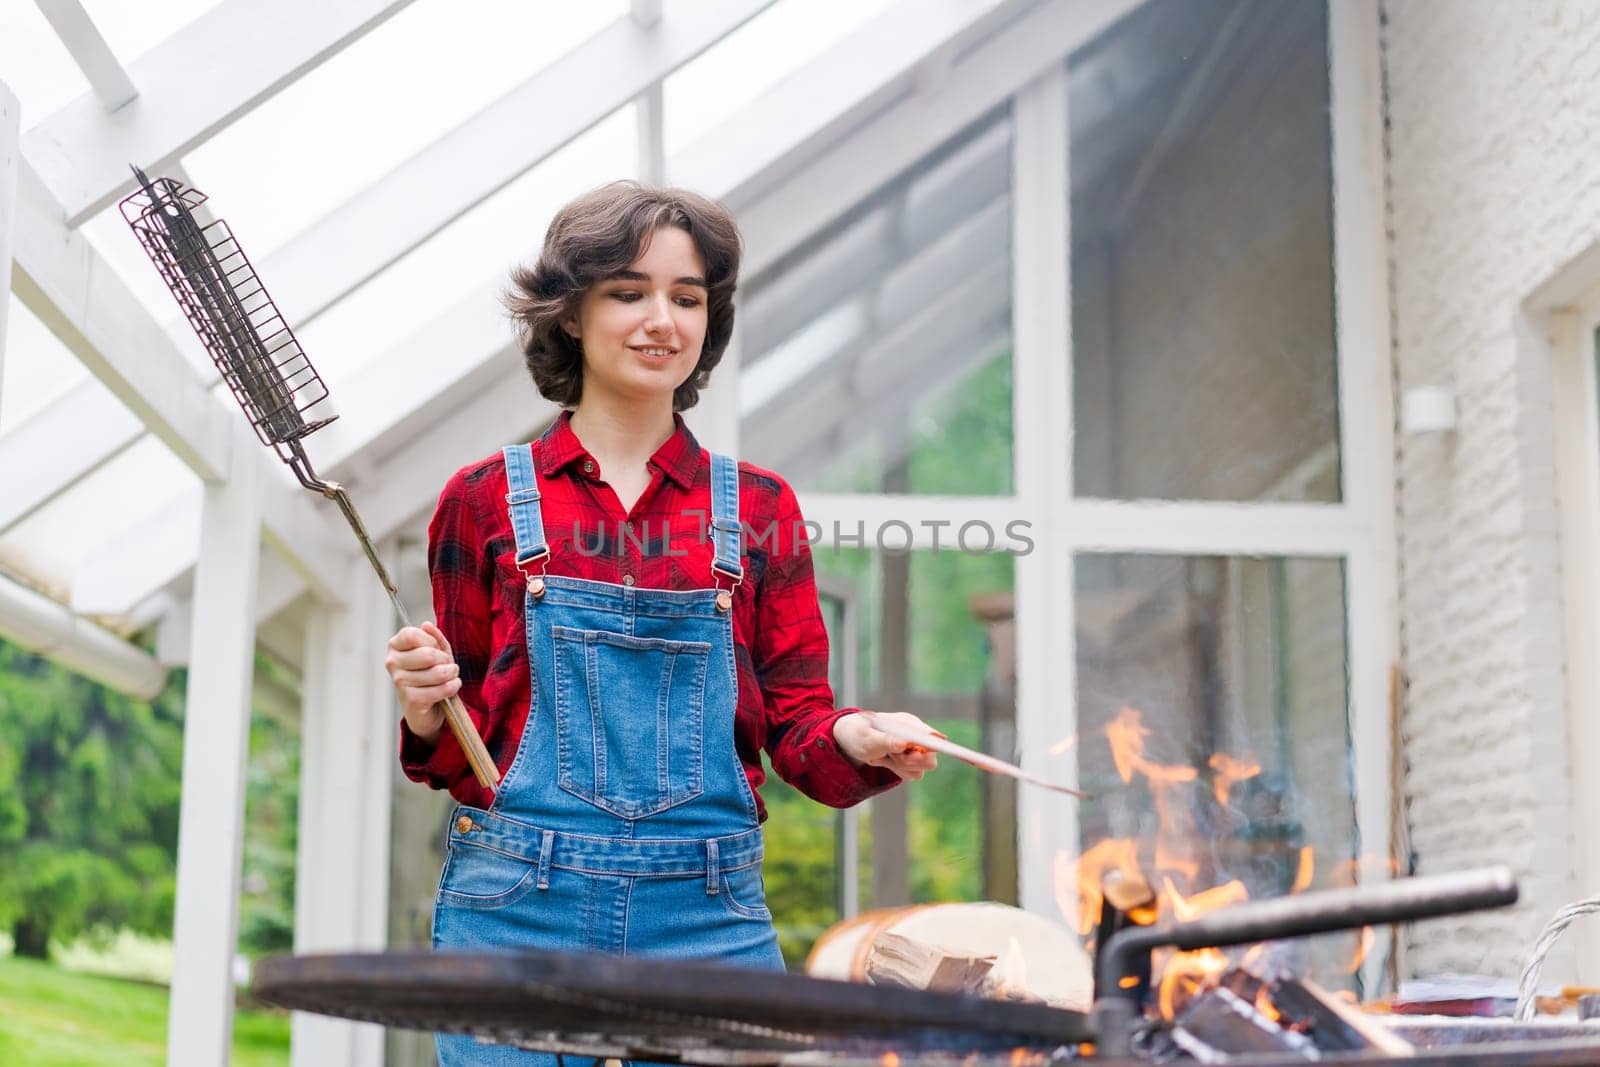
156 554
66 283
441 183
815 194
10 158
107 77
215 735
205 76
383 404
64 280
46 454
399 402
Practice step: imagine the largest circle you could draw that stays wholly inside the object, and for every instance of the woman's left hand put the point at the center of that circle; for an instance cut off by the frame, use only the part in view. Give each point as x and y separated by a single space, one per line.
863 743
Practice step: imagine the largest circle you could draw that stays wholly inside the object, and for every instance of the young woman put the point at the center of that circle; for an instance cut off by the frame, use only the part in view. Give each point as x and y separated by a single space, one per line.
630 620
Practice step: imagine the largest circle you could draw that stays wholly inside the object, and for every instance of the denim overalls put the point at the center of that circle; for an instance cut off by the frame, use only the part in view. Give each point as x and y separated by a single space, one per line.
625 824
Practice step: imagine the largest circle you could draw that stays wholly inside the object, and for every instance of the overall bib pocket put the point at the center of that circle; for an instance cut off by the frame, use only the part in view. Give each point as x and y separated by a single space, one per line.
629 720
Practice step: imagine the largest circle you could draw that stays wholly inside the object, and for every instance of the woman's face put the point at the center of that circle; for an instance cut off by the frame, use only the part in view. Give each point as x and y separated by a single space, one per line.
642 329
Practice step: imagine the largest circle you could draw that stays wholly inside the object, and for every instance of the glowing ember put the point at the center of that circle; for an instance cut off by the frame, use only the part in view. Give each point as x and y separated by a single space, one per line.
1227 771
1265 1006
1185 974
1128 981
889 1059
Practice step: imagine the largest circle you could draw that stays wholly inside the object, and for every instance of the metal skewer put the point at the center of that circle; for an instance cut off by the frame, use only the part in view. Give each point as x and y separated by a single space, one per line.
258 356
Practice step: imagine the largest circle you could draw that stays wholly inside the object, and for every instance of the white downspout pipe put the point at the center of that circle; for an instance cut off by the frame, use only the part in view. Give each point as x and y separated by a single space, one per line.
41 625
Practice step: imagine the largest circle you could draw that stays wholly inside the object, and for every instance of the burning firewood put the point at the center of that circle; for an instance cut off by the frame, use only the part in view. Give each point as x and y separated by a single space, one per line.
1333 1024
1218 1025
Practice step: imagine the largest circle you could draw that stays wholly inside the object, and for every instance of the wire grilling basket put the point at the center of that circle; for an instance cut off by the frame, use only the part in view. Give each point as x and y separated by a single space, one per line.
263 364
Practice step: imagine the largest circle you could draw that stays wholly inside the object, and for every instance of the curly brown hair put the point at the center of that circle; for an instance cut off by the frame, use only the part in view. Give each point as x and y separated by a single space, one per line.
595 237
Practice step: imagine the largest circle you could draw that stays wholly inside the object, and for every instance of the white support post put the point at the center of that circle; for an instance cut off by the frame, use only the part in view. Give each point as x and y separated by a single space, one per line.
346 757
715 420
10 158
650 113
215 736
1042 411
1366 435
650 107
77 31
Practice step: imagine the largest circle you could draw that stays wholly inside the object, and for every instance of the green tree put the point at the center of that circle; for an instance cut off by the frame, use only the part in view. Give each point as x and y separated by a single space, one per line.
89 782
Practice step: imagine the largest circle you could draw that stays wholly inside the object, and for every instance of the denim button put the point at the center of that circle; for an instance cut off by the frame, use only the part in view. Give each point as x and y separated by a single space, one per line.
464 824
627 579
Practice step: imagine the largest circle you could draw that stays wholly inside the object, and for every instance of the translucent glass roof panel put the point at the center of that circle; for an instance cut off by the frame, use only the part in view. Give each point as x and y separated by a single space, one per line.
376 103
35 368
752 59
472 255
133 29
50 545
34 64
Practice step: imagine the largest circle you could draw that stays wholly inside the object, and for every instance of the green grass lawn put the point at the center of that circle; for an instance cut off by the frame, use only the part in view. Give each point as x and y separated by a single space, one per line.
55 1018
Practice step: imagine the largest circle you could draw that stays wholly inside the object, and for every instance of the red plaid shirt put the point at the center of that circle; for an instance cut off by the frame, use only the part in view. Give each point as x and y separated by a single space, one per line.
785 704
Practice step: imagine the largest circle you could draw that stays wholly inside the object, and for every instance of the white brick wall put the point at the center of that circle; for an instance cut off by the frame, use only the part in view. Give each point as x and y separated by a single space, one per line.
1494 184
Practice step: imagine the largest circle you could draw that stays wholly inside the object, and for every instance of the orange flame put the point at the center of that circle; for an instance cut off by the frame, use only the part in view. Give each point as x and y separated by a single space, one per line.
1186 908
1227 771
1127 741
1087 873
1187 972
1304 873
1127 733
1365 946
889 1059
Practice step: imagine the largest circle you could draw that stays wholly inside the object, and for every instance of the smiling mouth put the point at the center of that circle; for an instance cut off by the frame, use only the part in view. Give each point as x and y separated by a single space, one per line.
655 351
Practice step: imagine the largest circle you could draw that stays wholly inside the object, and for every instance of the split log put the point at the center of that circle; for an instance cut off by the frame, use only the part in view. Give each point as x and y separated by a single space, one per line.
1033 956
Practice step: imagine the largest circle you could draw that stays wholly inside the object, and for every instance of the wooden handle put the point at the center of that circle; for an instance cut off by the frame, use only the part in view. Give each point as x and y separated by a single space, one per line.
455 714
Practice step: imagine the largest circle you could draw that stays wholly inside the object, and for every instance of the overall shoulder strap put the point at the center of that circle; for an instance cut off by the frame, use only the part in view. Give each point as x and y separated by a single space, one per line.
727 537
527 521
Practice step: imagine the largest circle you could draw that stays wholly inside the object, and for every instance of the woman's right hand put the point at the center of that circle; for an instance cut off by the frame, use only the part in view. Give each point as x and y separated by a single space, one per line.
424 674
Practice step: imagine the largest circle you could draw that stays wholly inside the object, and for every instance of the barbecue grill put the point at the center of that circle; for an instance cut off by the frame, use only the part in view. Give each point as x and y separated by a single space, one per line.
695 1013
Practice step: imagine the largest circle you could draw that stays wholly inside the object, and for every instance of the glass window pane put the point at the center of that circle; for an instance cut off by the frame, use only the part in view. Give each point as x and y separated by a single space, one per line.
1202 283
878 358
933 639
1213 724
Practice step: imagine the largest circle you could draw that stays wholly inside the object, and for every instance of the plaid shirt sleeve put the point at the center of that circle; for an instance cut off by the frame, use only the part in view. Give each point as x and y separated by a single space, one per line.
790 656
462 568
